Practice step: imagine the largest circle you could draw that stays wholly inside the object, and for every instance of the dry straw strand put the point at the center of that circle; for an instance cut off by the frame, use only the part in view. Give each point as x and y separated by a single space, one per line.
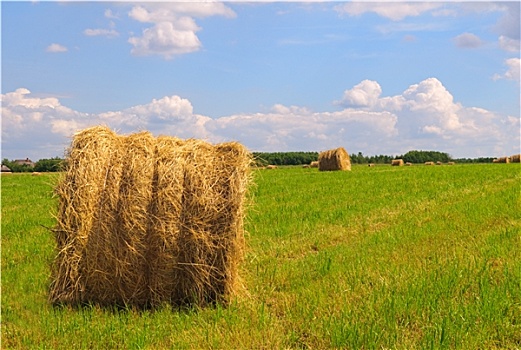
334 159
145 221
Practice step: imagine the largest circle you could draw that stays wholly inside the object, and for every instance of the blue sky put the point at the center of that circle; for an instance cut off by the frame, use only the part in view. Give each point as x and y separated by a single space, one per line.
377 78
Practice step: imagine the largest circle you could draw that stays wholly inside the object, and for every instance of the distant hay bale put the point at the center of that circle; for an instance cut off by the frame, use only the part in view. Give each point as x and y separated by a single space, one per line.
305 166
144 221
451 163
503 160
439 163
35 173
335 159
408 164
429 163
516 158
371 165
397 162
271 167
314 164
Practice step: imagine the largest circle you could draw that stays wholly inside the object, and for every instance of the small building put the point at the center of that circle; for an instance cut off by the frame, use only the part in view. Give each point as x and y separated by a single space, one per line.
25 161
5 169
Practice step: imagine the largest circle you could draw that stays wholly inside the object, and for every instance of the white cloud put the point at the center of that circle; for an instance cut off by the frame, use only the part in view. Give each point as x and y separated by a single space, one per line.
467 41
513 72
364 94
508 44
513 68
508 25
394 11
166 40
174 28
423 116
109 33
54 48
109 14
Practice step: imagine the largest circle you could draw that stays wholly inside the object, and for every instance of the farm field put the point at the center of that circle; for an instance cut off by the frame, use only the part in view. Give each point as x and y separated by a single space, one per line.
377 258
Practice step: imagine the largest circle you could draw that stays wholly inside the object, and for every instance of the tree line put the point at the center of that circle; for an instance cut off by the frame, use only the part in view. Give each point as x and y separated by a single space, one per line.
43 165
282 158
300 158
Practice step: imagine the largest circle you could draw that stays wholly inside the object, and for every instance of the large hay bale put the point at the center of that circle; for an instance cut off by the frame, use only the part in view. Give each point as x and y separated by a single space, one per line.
335 159
516 158
397 162
314 164
144 221
503 160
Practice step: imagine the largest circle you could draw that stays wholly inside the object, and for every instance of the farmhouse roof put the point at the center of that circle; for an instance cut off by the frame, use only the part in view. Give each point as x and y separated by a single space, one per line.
25 161
5 169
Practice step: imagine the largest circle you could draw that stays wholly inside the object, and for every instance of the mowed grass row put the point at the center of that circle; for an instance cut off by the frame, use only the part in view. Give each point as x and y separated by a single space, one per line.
386 257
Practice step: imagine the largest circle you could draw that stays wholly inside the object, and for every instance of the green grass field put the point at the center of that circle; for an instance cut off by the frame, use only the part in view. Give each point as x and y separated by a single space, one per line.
376 258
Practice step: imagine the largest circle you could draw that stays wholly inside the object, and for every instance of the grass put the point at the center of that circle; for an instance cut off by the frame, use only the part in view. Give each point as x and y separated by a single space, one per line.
386 257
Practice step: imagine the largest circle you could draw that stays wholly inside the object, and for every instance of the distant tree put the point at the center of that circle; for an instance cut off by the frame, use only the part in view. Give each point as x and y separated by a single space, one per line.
284 158
49 165
15 167
474 160
425 156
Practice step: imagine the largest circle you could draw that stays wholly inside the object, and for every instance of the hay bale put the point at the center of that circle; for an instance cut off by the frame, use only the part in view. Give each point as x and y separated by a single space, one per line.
439 163
397 162
408 164
371 165
503 160
271 167
144 221
314 164
429 163
451 163
516 158
305 166
36 173
335 159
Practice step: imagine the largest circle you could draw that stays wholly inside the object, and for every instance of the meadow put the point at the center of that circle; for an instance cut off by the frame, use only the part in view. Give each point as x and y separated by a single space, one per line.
377 258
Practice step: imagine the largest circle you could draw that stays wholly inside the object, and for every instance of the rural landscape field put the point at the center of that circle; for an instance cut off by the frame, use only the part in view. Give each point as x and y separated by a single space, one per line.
420 257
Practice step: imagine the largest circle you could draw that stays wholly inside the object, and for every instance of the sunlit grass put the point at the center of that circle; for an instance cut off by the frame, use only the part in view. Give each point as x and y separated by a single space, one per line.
386 257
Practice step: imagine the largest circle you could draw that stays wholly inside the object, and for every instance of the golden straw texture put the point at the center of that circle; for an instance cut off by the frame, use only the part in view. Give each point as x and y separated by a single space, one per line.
335 159
144 221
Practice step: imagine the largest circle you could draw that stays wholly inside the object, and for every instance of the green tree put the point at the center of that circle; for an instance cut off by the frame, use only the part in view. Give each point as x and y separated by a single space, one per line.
49 165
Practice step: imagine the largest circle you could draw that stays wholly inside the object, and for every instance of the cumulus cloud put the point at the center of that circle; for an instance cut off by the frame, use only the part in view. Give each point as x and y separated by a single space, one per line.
109 33
423 116
467 41
109 14
364 94
508 44
508 25
394 11
55 48
166 40
513 71
174 27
